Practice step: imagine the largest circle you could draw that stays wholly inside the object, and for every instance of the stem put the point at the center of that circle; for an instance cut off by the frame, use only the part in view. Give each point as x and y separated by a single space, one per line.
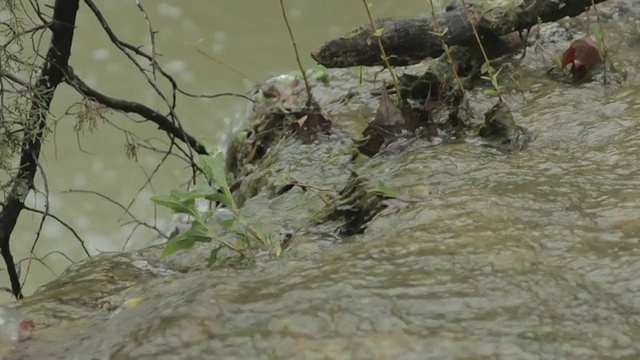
604 44
445 47
484 54
385 58
295 49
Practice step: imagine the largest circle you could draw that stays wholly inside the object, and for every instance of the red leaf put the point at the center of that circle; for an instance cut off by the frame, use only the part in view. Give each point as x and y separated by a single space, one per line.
583 55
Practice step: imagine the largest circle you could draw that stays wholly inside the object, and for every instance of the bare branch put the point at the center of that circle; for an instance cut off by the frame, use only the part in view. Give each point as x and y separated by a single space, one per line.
57 60
63 223
133 107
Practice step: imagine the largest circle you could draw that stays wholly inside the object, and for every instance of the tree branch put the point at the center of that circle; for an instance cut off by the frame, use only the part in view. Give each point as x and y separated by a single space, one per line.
56 60
409 41
133 107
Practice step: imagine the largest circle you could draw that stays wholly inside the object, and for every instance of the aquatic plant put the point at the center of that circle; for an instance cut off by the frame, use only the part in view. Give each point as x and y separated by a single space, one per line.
218 192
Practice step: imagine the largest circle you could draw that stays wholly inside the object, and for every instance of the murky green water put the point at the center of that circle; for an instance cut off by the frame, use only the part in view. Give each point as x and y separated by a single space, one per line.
526 256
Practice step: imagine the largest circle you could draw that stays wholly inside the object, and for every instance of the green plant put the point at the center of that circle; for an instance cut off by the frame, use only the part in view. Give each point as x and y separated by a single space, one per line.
310 101
218 190
377 32
486 67
600 41
440 34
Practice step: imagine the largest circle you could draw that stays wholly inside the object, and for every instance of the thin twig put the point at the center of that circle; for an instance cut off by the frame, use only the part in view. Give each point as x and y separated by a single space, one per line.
445 47
385 58
63 223
484 53
152 36
115 203
310 100
605 51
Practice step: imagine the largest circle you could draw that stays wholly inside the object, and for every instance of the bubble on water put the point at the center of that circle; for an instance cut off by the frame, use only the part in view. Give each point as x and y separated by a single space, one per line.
101 54
219 49
52 230
98 166
295 14
79 180
220 36
169 11
176 66
113 68
190 27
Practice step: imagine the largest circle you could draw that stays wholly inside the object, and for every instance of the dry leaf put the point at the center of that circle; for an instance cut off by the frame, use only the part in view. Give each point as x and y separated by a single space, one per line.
309 125
583 55
391 123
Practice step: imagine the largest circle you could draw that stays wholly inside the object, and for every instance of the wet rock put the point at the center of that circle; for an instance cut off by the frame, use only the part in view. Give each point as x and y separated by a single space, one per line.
501 132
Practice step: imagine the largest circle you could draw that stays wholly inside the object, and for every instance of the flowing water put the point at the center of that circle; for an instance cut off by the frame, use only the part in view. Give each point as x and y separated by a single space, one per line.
527 256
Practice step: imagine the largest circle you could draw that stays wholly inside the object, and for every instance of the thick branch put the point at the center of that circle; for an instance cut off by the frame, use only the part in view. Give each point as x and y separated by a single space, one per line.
57 59
409 41
133 107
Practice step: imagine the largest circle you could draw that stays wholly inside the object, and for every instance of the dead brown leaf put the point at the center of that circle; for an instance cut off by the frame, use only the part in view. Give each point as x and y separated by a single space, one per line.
582 54
391 122
309 125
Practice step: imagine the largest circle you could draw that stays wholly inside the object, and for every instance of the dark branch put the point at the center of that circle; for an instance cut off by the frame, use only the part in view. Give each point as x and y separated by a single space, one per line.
56 61
409 41
133 107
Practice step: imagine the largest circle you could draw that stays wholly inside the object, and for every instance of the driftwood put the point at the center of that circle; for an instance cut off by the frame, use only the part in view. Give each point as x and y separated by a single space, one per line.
409 41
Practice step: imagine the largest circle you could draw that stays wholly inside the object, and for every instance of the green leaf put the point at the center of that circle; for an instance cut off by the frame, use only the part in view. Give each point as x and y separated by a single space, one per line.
213 256
494 80
228 224
178 242
175 202
200 193
221 198
199 232
386 191
214 168
378 32
486 68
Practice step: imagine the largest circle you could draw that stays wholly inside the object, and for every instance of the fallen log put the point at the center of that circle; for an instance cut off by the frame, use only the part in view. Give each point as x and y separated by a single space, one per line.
409 41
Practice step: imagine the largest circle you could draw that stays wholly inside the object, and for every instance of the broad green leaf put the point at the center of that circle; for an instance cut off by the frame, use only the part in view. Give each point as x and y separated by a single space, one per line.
485 68
175 204
199 232
221 198
200 193
214 168
177 243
